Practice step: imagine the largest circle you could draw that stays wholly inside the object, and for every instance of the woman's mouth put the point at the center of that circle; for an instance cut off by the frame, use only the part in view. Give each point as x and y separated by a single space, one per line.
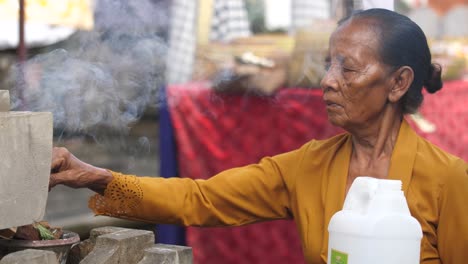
332 105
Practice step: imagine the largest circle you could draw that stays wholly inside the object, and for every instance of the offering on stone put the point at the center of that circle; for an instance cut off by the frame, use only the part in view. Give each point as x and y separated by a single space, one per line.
37 231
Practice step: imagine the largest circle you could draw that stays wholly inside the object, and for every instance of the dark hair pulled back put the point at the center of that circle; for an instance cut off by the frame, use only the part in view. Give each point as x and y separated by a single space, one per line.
403 43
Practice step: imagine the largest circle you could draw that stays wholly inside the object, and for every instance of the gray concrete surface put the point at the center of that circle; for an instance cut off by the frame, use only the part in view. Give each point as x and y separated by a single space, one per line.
26 150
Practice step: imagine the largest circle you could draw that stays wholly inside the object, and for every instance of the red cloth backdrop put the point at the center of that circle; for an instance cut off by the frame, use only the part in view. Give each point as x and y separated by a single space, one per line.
448 110
215 132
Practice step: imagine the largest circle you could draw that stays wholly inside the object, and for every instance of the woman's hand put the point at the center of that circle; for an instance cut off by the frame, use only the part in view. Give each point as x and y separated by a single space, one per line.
68 170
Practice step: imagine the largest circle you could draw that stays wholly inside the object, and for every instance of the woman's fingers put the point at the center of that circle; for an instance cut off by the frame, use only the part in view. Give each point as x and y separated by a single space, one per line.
54 180
60 159
70 178
56 164
60 167
68 170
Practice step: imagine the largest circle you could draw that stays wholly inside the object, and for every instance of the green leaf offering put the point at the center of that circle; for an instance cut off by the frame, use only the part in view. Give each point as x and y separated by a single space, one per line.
44 233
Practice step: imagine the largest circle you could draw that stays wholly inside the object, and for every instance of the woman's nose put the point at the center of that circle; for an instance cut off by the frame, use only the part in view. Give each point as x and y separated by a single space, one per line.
329 80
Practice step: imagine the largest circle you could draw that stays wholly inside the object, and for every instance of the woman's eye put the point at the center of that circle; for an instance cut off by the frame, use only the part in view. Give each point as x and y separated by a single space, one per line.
347 70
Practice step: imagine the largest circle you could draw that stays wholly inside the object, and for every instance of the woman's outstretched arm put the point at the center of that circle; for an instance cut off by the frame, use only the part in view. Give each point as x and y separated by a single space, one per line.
234 197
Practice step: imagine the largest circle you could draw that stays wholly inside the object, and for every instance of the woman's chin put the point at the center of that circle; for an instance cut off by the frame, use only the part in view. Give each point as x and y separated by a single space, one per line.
334 120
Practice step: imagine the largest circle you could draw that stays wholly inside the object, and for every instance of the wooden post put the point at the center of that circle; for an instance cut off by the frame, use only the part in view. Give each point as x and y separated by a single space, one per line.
21 45
22 53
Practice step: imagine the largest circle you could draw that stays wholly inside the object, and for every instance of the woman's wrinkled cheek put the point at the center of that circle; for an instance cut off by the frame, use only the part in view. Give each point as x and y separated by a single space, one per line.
353 97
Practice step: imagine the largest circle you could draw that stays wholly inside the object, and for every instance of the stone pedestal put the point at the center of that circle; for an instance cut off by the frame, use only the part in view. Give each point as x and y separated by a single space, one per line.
129 246
120 247
30 256
25 157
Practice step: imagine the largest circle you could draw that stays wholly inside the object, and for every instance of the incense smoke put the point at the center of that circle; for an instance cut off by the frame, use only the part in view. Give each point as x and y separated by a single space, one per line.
104 78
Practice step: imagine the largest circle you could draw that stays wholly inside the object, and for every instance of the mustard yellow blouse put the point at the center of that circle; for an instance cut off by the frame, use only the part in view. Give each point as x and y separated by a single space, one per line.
308 185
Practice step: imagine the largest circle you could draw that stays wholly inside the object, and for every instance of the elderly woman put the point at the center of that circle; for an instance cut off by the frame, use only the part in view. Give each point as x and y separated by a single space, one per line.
378 63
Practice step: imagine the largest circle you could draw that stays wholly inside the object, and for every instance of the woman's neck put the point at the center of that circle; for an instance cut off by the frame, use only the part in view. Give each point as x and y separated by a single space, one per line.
377 140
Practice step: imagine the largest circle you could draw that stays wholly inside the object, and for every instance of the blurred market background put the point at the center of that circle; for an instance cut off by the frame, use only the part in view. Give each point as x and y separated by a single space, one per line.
104 68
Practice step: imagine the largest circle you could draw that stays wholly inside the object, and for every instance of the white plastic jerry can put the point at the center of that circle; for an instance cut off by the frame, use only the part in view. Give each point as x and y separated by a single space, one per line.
375 226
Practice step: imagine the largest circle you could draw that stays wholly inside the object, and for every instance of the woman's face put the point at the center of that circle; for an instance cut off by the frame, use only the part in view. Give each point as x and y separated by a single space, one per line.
357 84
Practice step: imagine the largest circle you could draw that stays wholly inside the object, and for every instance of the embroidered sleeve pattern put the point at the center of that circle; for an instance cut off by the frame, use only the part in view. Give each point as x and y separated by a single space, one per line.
121 198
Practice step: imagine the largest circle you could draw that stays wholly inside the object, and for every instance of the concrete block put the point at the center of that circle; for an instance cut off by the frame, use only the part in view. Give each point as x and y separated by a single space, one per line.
160 256
97 232
124 246
26 144
167 254
80 251
184 253
4 101
30 256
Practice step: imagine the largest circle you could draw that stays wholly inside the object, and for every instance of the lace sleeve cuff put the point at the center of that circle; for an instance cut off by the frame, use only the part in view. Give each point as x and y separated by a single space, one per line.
121 198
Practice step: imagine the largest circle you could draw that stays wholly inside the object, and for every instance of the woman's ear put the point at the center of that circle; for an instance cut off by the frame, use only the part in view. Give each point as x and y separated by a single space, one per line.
403 78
